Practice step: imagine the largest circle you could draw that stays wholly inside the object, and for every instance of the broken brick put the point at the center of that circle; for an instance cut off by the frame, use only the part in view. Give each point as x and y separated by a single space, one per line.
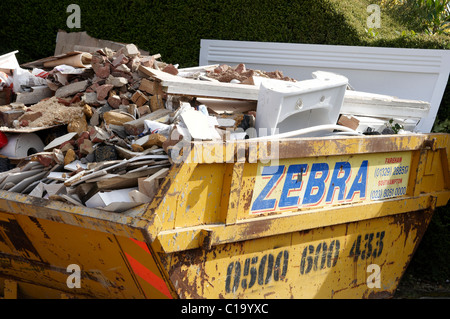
102 71
103 90
171 69
114 101
139 98
121 59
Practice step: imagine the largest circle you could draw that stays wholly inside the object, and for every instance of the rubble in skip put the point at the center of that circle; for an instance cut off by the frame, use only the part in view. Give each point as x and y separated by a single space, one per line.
97 129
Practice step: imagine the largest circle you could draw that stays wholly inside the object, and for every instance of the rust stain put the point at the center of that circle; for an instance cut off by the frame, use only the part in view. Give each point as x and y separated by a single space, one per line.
417 221
19 239
39 226
185 284
258 227
248 195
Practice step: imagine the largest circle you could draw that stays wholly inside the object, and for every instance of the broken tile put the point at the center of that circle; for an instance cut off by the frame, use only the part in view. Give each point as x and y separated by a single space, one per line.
60 140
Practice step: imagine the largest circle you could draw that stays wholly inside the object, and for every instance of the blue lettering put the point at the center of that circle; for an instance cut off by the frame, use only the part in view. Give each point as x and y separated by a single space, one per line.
339 181
316 182
292 183
359 184
261 203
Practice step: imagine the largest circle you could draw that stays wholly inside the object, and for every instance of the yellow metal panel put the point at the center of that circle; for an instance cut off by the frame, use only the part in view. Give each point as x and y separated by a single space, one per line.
264 227
53 246
332 262
199 199
201 236
143 265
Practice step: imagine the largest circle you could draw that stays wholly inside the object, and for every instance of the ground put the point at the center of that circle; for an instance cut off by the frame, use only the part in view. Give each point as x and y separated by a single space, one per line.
416 288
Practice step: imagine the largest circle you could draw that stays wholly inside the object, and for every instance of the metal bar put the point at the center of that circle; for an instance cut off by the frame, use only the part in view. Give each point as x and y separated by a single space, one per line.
296 221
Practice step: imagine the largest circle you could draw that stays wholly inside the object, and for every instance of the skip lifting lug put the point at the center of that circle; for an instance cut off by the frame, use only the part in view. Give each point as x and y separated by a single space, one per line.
430 144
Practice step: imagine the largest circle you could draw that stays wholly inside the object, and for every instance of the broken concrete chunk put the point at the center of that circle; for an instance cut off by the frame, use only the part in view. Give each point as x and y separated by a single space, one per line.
123 68
90 98
143 110
120 59
37 94
102 71
71 89
117 81
86 147
131 50
7 117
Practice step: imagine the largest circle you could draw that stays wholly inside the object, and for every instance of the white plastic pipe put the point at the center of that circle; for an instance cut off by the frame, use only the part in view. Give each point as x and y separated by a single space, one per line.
307 131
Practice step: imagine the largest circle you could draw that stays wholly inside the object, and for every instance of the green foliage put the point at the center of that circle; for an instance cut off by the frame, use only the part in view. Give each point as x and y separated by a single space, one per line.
429 16
431 260
174 28
442 126
394 126
371 32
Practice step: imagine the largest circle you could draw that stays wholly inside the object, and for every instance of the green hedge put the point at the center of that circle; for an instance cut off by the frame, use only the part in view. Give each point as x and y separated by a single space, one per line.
174 28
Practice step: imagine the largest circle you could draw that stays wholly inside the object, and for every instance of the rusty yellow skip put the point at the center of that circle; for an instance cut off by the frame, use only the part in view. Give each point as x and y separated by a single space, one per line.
335 217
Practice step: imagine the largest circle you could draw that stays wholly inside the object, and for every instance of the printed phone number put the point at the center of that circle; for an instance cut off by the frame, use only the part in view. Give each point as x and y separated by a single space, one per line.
387 192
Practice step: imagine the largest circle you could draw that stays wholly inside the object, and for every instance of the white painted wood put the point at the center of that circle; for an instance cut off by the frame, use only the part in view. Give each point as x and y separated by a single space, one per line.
178 85
376 105
412 74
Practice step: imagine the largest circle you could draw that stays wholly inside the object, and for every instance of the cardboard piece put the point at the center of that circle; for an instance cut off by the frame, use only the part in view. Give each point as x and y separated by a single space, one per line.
76 59
81 41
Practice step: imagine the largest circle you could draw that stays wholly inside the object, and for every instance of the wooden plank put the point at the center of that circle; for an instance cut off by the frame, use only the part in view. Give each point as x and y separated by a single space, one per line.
149 186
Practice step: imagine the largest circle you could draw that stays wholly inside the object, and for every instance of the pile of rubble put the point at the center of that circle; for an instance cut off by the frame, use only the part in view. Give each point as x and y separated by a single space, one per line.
107 127
99 128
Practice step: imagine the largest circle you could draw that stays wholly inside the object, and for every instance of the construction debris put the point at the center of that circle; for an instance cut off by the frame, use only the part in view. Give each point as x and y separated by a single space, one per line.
108 117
